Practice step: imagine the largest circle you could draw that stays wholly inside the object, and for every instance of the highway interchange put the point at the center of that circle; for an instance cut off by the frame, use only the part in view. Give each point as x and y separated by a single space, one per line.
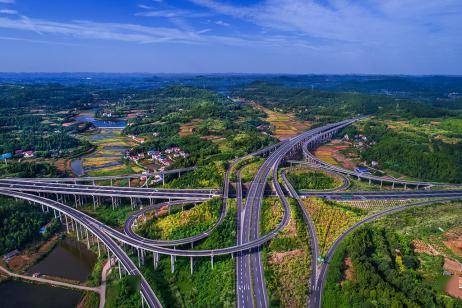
250 283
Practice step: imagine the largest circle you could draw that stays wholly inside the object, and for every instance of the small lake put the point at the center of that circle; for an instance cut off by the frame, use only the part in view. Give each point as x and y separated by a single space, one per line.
77 167
17 294
69 259
101 123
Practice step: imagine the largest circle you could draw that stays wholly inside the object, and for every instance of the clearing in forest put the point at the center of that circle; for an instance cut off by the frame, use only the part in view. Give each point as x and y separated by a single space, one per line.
284 126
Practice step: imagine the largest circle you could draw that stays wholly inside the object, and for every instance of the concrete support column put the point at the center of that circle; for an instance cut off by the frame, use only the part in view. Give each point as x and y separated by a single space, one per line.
172 263
155 259
88 238
99 249
211 260
77 231
192 264
393 185
120 270
139 258
67 225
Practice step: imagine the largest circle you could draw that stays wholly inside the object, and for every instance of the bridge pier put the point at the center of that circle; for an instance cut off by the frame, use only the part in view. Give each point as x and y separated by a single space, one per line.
139 258
67 225
77 230
88 238
172 263
192 264
405 186
99 248
120 270
392 185
155 259
211 260
142 257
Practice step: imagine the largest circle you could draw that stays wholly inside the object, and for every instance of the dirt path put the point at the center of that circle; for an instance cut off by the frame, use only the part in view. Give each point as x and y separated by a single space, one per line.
49 281
104 274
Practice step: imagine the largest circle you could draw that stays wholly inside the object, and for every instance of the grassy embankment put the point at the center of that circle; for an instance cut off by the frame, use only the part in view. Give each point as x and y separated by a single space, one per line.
190 222
304 178
206 287
287 258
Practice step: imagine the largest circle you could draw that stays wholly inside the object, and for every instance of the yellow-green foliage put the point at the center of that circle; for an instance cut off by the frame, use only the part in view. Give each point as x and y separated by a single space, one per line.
248 172
272 213
331 220
183 224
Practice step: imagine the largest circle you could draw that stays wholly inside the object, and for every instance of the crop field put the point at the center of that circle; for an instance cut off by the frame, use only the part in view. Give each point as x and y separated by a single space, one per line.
107 158
187 129
284 125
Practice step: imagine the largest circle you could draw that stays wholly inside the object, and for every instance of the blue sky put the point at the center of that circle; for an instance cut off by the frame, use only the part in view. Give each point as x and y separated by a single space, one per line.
207 36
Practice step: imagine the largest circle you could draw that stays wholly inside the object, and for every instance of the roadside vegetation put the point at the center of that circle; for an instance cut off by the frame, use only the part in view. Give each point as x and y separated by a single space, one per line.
331 219
123 292
195 220
21 223
286 258
106 214
206 287
301 178
398 260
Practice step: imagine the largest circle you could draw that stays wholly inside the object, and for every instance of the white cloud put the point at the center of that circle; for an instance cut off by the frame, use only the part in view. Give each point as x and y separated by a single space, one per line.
372 22
9 12
7 1
222 23
134 33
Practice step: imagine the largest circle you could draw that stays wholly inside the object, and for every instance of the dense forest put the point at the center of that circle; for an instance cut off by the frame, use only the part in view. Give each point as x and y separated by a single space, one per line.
413 154
20 224
384 272
330 106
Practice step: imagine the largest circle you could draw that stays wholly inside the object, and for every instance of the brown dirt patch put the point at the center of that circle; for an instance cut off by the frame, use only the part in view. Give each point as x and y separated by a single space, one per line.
454 240
349 271
452 266
331 154
452 287
422 247
278 257
187 129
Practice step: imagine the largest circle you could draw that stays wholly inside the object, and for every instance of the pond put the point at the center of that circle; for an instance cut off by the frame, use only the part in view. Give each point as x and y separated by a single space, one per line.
69 259
16 294
101 123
